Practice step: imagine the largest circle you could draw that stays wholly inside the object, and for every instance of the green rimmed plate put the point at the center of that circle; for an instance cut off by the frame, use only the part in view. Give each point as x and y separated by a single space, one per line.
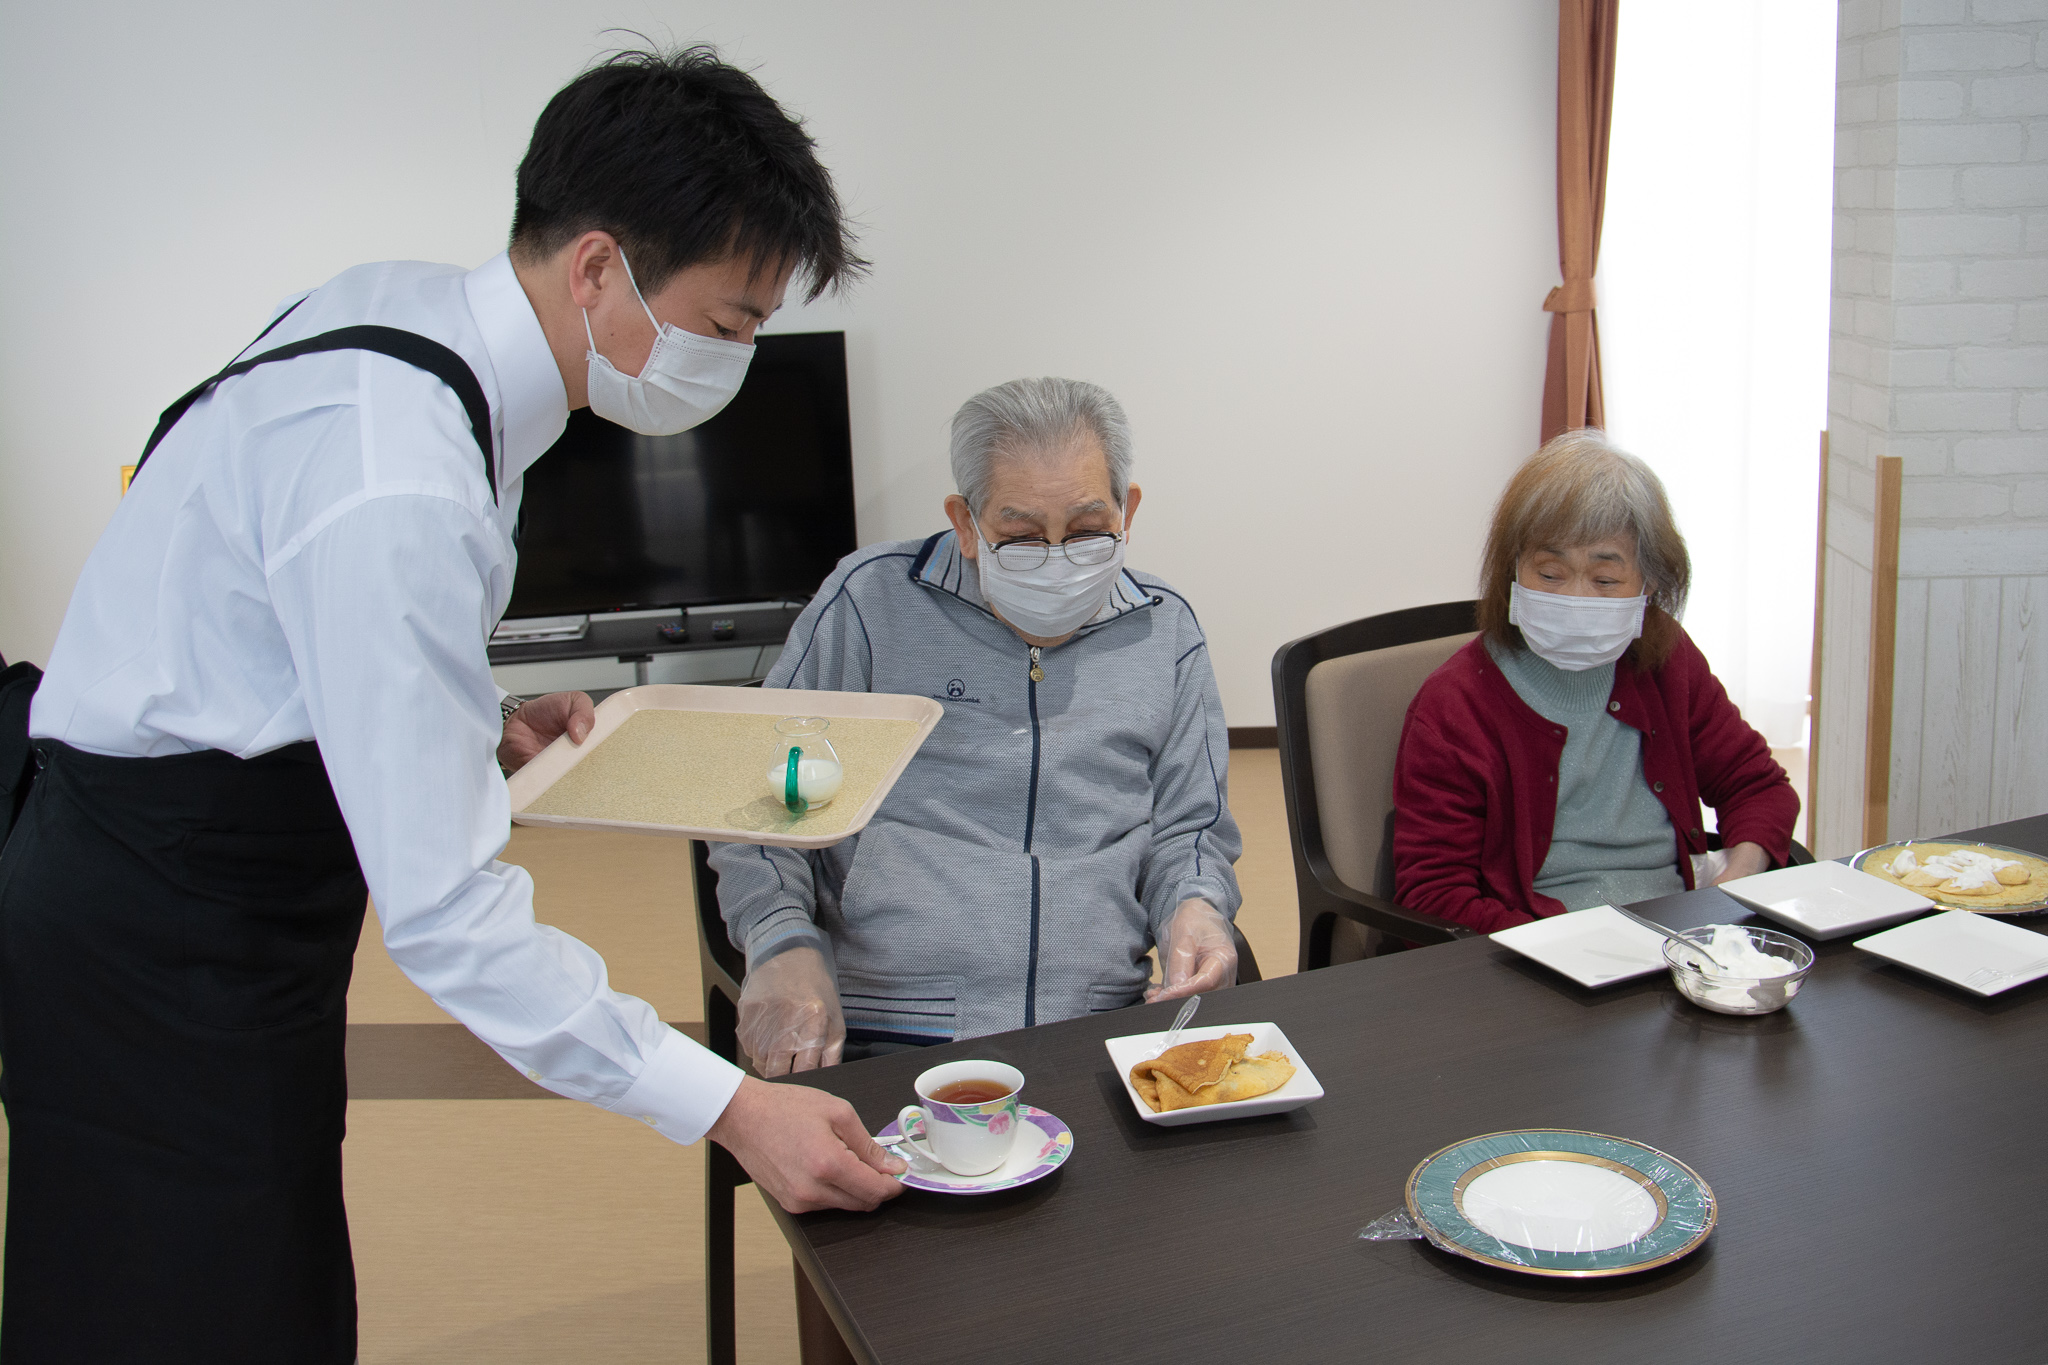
1560 1201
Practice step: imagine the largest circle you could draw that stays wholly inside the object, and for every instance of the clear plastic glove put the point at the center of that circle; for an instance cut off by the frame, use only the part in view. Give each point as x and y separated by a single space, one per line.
1198 953
789 1014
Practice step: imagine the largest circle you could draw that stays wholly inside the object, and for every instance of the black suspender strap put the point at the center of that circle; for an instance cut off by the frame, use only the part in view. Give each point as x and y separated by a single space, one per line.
420 352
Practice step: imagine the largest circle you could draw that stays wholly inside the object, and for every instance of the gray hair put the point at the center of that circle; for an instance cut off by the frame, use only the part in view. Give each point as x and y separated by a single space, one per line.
1029 418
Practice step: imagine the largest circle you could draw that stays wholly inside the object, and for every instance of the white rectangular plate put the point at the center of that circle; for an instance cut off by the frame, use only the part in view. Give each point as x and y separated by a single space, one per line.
548 766
1301 1087
1594 947
1827 900
1965 949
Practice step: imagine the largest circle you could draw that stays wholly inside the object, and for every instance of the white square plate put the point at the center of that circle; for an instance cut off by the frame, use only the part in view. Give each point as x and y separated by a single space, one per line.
1594 947
1981 955
1301 1087
1827 900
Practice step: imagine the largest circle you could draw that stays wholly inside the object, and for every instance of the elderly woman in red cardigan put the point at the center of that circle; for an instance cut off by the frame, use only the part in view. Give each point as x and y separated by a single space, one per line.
1558 761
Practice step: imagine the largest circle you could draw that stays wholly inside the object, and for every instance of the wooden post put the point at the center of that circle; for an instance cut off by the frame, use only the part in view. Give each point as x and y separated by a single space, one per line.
1884 632
1820 584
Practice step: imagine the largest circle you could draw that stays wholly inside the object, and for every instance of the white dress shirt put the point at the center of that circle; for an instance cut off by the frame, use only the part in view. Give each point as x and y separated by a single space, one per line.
313 553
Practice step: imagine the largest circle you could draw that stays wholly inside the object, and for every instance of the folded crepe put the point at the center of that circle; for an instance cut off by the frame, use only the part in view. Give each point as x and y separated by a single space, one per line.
1212 1071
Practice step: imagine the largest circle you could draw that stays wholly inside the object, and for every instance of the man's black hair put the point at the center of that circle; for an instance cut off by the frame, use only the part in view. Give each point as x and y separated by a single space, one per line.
684 159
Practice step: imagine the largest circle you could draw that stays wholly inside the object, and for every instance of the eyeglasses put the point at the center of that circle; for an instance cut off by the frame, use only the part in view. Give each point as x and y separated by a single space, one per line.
1088 548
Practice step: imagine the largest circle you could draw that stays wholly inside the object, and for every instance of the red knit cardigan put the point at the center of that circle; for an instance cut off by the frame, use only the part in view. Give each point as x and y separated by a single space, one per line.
1475 783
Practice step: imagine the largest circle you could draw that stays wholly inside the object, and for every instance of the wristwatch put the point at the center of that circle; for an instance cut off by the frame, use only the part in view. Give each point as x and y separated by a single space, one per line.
507 705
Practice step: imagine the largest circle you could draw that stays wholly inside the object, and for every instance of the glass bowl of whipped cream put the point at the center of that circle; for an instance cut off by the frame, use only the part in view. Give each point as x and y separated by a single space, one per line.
1758 969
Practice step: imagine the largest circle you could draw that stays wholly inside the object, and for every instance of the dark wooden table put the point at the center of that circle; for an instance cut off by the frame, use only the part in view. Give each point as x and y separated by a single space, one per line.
1876 1149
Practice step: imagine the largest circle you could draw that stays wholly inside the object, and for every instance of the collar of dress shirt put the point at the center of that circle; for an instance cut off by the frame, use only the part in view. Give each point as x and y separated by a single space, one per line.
533 405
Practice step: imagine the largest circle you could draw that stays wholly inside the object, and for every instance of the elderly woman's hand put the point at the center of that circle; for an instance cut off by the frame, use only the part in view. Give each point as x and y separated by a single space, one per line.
1744 860
1199 953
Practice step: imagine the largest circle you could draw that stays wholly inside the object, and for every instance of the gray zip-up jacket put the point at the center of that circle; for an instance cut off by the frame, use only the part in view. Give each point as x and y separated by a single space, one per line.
1035 847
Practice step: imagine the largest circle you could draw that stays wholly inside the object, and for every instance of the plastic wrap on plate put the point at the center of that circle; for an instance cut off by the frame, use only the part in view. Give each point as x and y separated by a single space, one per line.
1553 1201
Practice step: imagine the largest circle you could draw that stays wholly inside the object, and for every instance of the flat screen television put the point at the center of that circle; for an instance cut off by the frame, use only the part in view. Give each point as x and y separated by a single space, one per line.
754 505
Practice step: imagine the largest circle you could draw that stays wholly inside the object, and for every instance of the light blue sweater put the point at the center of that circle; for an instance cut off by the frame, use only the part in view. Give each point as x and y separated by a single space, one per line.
1612 843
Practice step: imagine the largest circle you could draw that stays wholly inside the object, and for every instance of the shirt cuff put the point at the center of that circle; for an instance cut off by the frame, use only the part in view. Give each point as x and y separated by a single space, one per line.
682 1090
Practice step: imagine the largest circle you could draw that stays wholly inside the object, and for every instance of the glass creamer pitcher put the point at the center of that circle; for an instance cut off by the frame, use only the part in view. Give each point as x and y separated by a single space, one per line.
805 773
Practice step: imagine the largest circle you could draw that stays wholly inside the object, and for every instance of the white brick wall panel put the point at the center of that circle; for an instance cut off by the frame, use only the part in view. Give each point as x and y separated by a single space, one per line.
1853 275
1842 315
1958 234
1874 320
1848 63
1924 456
1926 187
1970 552
2007 11
1919 370
2025 277
1953 500
1973 51
2030 499
1917 280
1870 404
1983 455
1858 104
1856 188
1955 144
1929 12
2005 186
1953 324
2030 322
1945 411
2034 412
2002 367
2037 232
1880 56
1922 99
2009 96
1856 19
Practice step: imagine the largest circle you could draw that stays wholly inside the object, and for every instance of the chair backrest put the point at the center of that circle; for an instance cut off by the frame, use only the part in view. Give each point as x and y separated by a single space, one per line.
1340 696
723 965
1355 704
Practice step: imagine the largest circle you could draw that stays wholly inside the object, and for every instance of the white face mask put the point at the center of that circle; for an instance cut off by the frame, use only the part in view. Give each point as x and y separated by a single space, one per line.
1056 598
686 380
1575 633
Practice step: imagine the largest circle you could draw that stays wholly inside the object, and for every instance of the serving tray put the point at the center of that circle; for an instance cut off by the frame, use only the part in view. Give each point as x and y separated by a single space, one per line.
690 761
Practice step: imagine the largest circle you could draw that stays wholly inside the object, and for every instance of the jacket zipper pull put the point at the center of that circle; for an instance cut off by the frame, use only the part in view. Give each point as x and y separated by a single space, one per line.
1037 673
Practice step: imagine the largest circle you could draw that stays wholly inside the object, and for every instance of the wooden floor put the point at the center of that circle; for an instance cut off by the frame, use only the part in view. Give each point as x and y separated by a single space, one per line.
496 1229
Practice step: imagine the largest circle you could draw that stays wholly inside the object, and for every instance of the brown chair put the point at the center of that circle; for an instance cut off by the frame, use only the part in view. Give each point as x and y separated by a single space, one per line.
1339 698
723 968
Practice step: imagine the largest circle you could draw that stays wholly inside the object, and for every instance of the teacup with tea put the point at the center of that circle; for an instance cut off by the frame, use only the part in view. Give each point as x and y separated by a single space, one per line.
968 1121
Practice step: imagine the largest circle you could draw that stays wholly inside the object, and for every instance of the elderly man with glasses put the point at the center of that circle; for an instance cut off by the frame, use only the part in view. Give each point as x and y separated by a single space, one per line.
1070 811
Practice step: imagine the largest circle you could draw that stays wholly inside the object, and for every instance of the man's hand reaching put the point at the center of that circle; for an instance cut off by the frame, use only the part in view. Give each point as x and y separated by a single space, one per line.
806 1149
1199 953
536 723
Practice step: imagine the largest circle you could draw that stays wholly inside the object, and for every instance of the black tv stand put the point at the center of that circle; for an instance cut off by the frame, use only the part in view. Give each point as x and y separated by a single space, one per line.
637 639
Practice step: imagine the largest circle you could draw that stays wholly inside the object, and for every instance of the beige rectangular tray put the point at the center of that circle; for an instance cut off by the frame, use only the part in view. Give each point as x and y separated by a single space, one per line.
691 761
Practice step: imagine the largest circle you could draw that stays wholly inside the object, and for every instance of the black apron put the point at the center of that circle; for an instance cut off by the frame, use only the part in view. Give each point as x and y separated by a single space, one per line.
176 941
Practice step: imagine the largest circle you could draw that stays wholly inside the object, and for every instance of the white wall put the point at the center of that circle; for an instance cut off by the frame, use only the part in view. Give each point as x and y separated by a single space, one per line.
1306 244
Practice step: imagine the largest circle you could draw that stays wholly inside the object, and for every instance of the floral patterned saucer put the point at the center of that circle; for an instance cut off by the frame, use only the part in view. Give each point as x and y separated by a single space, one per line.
1043 1145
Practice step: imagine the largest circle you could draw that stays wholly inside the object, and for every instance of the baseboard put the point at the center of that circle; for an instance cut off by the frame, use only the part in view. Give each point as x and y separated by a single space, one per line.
1254 737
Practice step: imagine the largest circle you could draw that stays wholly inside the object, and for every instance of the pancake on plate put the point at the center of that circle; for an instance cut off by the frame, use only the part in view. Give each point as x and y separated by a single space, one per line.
1211 1071
1962 876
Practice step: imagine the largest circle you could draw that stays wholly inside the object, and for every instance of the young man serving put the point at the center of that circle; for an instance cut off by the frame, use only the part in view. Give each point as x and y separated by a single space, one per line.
271 696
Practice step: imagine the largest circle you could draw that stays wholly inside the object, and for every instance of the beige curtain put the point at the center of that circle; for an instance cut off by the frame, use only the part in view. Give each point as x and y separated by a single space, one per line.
1585 107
